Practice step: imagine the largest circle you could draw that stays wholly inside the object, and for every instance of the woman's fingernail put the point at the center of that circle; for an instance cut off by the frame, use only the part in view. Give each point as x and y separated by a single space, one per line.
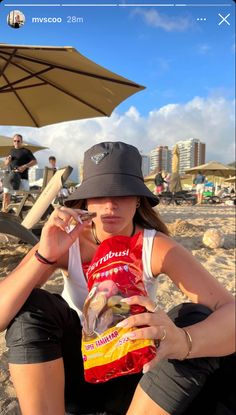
79 219
122 323
131 335
125 300
145 369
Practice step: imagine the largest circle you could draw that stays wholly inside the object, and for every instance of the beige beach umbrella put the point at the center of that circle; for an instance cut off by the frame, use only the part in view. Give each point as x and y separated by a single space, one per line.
230 179
175 182
175 159
6 145
41 85
213 168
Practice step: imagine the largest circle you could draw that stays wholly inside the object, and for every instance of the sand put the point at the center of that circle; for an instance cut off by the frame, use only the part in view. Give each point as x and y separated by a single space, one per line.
187 225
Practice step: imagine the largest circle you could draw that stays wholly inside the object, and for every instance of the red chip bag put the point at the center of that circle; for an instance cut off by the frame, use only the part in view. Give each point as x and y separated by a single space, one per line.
115 272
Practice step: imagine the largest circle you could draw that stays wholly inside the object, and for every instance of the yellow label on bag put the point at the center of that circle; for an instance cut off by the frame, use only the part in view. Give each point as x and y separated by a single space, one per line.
112 345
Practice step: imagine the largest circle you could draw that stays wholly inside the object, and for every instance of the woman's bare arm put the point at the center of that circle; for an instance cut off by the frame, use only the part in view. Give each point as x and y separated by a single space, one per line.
214 336
17 286
54 244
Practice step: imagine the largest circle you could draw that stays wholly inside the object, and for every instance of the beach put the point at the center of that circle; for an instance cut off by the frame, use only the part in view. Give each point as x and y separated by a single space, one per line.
187 225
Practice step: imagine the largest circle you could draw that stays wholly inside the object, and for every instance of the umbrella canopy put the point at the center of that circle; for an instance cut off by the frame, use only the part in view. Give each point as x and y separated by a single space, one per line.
6 145
231 179
175 182
175 159
213 168
42 85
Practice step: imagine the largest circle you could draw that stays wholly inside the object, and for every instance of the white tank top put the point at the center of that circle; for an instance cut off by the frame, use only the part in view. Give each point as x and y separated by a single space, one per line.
75 285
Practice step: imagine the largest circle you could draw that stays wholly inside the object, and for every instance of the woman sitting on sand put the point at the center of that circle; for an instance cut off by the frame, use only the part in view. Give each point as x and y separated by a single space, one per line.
44 329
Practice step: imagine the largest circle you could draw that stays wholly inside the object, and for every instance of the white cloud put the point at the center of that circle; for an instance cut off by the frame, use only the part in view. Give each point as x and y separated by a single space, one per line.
203 49
164 21
209 119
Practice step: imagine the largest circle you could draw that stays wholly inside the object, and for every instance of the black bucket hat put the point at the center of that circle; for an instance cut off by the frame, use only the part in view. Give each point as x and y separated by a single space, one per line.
112 169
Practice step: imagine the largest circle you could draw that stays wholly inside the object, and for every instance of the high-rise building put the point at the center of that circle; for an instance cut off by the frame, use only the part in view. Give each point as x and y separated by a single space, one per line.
145 164
192 152
35 173
160 159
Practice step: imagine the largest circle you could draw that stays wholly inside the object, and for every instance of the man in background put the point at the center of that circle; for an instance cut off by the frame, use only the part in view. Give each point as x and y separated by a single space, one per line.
52 162
159 182
19 160
63 192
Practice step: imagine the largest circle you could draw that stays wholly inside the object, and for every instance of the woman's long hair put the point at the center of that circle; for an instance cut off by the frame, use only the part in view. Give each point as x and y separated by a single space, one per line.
148 218
145 215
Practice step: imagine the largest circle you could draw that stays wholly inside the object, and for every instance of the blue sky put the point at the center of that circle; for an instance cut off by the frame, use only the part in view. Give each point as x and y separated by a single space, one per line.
186 64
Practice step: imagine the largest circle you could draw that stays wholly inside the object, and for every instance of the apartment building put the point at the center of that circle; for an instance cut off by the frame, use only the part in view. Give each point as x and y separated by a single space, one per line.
35 173
160 159
192 152
145 164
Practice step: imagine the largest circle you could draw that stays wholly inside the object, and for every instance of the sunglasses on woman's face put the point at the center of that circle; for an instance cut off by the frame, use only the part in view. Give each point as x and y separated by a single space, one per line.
16 141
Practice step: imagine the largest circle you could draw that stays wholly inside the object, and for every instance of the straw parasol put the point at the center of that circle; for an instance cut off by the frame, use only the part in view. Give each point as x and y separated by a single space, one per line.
230 179
175 182
214 168
42 85
175 159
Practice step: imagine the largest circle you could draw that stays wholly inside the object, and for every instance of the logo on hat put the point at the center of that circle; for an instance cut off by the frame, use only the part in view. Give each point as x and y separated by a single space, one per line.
99 157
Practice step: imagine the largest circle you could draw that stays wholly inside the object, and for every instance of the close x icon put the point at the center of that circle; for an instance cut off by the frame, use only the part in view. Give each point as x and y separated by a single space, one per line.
224 19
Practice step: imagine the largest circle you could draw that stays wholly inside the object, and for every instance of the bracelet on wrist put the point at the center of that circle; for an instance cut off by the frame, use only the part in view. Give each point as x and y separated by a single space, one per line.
190 343
43 260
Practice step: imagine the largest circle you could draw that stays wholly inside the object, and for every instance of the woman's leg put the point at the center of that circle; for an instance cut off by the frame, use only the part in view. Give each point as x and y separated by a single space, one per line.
35 338
39 387
172 385
142 404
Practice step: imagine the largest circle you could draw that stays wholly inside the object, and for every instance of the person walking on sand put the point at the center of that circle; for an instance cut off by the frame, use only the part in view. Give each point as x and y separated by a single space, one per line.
44 330
199 181
20 159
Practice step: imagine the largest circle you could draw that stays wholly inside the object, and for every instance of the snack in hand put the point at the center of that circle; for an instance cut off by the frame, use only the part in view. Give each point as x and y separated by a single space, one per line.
87 216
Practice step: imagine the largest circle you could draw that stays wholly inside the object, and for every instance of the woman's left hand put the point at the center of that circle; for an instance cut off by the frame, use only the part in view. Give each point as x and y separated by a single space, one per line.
155 324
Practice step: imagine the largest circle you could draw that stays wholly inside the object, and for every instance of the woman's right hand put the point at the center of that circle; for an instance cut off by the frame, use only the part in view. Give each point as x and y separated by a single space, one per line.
56 237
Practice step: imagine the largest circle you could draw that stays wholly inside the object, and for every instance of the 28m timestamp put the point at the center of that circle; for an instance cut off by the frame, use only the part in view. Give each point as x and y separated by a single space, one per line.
74 19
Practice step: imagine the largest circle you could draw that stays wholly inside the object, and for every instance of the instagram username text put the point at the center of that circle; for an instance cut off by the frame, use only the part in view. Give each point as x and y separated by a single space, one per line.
68 19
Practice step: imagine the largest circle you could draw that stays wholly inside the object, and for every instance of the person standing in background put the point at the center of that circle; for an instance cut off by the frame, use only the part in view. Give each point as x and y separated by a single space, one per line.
20 159
199 181
159 182
52 162
63 192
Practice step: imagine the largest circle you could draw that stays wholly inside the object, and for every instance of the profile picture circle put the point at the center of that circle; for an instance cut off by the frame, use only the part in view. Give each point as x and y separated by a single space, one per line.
16 19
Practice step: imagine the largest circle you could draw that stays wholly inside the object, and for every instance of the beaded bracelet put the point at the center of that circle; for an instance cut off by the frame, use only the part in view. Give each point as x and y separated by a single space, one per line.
43 260
189 341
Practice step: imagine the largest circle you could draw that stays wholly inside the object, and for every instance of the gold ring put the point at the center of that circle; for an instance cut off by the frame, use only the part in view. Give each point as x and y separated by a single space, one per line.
164 335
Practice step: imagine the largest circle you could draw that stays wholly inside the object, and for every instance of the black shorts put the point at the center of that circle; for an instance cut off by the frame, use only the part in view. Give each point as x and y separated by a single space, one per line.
46 328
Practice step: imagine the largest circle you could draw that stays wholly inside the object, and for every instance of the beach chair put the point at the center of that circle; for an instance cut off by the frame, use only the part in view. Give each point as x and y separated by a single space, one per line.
46 197
33 222
24 200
